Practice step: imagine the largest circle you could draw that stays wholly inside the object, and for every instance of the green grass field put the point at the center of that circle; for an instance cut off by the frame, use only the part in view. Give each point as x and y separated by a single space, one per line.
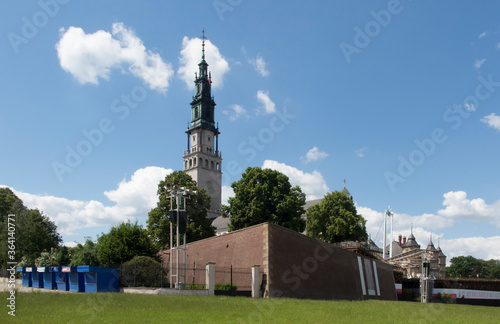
128 308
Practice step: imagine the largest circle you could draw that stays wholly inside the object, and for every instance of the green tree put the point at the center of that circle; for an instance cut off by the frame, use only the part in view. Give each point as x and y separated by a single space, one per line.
63 257
465 267
34 233
198 225
84 254
335 219
122 243
47 259
492 269
265 195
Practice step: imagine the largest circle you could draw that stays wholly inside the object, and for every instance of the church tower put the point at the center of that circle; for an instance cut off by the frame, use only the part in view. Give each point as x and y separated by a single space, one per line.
202 159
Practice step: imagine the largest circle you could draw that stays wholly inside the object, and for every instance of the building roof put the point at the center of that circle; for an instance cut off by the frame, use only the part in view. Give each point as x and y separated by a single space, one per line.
396 249
372 246
431 248
411 242
221 225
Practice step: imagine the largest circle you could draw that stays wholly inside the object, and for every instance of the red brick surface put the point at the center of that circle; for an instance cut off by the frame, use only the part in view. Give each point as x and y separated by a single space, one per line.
296 265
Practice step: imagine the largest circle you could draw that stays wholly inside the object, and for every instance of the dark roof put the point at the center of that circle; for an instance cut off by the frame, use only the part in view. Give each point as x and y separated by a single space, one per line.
431 248
411 242
221 224
310 203
372 246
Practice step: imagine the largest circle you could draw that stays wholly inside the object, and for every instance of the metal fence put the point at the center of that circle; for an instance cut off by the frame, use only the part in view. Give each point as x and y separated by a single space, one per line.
158 275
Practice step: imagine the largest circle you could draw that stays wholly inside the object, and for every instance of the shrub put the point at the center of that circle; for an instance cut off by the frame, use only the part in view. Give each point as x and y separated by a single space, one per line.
226 287
195 287
142 271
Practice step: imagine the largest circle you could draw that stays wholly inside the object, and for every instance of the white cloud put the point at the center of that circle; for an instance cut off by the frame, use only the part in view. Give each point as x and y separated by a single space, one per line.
478 63
263 98
191 56
312 184
459 207
485 248
492 120
483 34
314 154
423 225
360 152
89 57
259 65
133 199
227 192
237 112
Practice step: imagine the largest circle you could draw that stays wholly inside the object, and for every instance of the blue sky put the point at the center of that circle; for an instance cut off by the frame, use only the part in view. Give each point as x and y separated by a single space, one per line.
400 98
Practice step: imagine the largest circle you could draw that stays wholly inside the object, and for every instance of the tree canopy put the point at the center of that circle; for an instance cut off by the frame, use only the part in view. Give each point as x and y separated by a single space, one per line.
122 243
84 254
265 195
198 225
34 233
335 219
470 267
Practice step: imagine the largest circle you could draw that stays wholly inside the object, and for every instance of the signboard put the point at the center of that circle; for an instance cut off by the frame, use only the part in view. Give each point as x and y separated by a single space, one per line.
66 269
40 269
468 293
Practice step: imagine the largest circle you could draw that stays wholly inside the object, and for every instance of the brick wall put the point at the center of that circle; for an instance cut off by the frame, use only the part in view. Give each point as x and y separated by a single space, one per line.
295 265
242 249
303 267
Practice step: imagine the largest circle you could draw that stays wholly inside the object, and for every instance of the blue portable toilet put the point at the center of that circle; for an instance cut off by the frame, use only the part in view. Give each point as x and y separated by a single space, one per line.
36 278
62 277
26 276
49 277
98 279
76 280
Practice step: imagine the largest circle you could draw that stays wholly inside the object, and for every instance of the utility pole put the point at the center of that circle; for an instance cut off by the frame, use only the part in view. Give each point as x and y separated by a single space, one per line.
388 213
178 215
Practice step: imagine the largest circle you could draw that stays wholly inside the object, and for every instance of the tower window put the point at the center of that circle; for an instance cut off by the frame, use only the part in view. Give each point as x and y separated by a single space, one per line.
209 138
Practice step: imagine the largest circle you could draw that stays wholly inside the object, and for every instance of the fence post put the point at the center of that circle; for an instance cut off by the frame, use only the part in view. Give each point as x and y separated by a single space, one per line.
255 281
210 278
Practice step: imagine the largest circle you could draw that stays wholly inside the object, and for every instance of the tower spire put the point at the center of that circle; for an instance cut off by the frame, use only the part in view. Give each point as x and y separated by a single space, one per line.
203 45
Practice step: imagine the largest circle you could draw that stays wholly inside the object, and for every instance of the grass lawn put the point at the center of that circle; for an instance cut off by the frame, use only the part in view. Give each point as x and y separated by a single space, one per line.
129 308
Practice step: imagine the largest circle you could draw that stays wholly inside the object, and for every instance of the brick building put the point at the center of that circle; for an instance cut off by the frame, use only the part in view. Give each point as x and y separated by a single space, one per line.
291 265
